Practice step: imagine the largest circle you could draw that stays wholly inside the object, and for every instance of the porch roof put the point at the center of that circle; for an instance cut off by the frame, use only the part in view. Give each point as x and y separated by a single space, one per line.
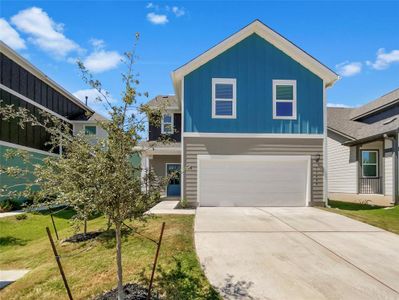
158 148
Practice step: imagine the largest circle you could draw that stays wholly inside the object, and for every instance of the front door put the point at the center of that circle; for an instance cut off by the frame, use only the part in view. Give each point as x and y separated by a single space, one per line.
173 188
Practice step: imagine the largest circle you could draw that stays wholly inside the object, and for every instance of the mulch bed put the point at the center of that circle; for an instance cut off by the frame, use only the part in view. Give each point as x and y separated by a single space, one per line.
81 237
132 291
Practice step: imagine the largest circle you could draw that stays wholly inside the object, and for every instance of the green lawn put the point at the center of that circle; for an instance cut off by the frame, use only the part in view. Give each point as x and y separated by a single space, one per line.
90 266
385 218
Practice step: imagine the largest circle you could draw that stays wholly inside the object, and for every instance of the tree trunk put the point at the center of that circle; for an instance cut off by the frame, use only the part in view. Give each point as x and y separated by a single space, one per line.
109 224
85 228
121 295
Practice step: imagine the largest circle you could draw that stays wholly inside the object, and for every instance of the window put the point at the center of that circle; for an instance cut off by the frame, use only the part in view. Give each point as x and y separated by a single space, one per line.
167 124
370 163
284 99
223 98
90 130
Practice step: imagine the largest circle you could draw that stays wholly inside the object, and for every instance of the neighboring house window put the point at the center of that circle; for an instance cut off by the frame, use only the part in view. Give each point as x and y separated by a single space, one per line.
284 99
90 130
369 163
167 124
224 102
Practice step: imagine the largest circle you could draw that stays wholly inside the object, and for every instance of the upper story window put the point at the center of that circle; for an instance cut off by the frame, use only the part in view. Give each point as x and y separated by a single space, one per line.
284 99
369 163
224 102
167 124
90 130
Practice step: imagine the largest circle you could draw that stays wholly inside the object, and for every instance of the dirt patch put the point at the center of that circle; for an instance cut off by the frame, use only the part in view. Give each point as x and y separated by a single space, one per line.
132 291
81 237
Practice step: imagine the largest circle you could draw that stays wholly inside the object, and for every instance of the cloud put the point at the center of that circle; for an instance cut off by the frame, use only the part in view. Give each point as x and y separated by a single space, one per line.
10 36
152 5
178 11
44 32
347 69
339 105
92 100
384 60
157 19
101 61
97 43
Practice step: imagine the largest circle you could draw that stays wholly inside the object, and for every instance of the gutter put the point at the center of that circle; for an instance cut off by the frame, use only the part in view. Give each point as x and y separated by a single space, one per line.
351 138
370 138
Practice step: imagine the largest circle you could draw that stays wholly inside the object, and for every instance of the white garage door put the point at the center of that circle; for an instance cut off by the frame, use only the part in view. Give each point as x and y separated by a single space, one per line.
240 180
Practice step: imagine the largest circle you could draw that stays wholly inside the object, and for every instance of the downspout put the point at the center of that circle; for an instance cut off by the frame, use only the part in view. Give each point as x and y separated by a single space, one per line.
395 159
395 185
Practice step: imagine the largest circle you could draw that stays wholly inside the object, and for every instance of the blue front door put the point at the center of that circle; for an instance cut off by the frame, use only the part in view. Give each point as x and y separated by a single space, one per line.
173 188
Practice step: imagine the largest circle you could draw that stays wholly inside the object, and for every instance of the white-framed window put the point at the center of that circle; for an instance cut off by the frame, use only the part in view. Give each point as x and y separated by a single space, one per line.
369 163
284 99
167 123
224 101
90 129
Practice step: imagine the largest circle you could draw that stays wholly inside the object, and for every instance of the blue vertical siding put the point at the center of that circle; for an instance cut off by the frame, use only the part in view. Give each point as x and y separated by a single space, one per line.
254 63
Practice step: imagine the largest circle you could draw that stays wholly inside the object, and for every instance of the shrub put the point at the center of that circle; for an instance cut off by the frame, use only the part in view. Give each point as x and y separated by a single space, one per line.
9 205
183 203
21 217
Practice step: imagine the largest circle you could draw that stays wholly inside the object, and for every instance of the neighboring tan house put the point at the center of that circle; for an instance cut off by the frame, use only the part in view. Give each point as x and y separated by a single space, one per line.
23 85
363 152
249 124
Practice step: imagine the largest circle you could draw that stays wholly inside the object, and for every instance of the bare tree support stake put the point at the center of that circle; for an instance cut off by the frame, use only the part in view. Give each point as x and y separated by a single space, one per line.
57 259
55 228
155 262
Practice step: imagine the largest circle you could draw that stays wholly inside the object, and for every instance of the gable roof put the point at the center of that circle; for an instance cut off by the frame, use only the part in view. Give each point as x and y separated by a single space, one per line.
380 103
164 101
296 53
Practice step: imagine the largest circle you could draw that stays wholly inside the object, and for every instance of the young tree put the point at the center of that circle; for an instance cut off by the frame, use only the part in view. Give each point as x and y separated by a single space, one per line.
99 177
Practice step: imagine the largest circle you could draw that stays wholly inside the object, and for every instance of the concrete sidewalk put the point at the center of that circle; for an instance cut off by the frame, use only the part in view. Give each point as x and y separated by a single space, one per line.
9 276
11 213
169 207
295 253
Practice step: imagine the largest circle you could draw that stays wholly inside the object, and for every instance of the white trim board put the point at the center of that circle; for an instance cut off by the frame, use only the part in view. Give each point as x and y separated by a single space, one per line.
34 103
233 100
296 53
16 146
377 164
253 135
182 177
172 123
325 152
292 83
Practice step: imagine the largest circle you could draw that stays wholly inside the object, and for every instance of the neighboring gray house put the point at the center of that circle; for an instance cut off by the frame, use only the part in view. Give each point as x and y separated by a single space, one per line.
363 151
91 127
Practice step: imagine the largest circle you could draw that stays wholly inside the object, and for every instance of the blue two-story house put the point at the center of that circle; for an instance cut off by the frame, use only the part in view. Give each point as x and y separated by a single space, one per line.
249 124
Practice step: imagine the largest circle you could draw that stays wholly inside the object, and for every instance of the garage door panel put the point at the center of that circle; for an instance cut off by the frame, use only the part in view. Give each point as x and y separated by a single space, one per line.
268 181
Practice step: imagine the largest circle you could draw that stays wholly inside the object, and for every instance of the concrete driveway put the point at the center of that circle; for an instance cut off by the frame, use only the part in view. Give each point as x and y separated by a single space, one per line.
295 253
